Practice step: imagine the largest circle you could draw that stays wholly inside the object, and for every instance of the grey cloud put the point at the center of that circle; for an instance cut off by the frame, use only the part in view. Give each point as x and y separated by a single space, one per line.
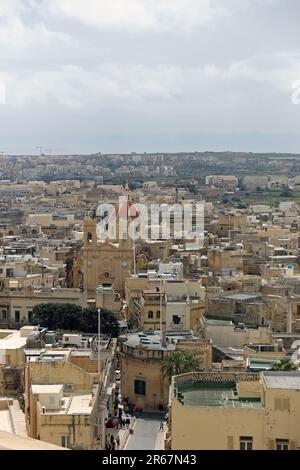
149 74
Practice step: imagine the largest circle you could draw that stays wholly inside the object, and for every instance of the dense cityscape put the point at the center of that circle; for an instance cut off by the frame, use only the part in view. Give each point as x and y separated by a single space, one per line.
124 344
149 232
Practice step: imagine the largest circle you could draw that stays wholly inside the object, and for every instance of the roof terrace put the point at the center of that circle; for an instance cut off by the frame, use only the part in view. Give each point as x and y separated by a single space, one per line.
214 394
217 389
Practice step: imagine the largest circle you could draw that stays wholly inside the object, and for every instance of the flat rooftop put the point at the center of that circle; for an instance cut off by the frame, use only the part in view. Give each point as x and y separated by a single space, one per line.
81 404
147 341
257 364
5 423
209 394
13 341
152 340
243 297
282 380
216 322
47 389
9 441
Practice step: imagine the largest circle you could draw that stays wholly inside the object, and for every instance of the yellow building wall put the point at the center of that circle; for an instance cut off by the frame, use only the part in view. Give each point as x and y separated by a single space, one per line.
157 387
14 357
86 363
80 429
196 428
60 373
219 428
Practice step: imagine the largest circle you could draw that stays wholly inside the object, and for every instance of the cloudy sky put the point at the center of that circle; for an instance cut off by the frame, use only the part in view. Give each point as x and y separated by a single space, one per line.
149 75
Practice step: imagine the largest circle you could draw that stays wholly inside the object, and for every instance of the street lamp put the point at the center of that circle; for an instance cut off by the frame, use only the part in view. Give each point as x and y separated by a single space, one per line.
99 342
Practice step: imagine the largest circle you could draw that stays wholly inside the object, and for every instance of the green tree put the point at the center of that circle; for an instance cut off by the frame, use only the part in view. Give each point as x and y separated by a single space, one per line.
284 365
109 324
179 362
70 317
58 316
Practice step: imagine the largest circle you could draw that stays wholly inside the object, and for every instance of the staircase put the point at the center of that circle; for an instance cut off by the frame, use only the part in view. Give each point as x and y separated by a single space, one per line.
135 309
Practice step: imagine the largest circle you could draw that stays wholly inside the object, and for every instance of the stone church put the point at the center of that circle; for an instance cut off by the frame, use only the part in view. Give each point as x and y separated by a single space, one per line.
108 262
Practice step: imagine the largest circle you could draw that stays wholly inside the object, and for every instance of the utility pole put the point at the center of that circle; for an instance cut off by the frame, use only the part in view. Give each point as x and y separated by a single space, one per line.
99 342
160 308
289 317
134 257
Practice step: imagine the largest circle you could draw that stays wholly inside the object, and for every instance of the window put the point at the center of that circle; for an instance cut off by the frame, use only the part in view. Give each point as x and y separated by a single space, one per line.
246 443
282 444
158 314
140 387
65 441
4 314
51 401
176 320
150 314
282 404
30 315
17 316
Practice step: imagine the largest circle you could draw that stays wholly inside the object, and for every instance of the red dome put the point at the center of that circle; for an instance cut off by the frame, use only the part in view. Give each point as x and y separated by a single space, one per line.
127 210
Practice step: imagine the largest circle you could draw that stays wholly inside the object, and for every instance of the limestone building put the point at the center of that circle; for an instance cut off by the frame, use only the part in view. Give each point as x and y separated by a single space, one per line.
109 262
141 360
235 411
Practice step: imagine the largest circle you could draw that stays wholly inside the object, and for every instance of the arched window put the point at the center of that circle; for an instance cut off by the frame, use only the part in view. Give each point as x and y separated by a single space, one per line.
150 314
89 237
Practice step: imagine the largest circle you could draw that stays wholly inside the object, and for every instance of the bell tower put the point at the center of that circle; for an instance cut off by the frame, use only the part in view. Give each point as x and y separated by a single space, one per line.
90 233
110 261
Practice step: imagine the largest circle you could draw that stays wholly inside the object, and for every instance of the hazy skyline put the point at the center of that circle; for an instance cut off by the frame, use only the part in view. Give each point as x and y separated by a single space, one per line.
149 75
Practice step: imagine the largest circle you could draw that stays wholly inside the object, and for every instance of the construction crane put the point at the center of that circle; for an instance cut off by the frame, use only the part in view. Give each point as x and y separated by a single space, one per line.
51 150
43 150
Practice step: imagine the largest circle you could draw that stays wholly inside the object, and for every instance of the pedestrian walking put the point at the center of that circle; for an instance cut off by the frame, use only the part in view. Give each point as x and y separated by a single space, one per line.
118 442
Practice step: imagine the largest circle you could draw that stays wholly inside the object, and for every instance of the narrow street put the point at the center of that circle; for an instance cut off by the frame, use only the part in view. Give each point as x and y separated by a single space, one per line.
146 435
